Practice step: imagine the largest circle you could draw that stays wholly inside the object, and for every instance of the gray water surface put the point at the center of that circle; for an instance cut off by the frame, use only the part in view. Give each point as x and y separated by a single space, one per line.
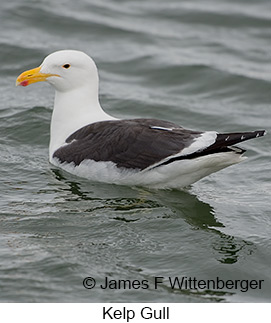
203 64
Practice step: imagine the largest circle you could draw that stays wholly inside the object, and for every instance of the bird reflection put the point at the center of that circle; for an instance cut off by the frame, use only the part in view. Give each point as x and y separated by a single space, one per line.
230 248
198 214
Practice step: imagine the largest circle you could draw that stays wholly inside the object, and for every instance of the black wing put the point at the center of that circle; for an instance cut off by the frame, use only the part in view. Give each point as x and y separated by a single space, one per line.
224 142
136 143
140 143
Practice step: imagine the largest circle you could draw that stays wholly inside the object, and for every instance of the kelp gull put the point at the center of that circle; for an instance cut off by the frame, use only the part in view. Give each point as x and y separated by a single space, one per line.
88 142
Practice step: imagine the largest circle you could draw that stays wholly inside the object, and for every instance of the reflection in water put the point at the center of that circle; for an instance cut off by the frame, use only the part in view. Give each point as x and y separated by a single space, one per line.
198 214
201 215
131 202
230 248
73 187
117 203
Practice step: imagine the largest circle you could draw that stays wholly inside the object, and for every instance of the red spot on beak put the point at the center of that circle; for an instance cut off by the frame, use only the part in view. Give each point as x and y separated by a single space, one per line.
24 83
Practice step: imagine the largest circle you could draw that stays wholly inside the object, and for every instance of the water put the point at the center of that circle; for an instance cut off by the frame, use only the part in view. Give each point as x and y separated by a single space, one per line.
203 64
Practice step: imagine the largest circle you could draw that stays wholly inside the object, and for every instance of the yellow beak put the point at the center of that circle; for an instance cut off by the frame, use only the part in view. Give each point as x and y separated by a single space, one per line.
32 76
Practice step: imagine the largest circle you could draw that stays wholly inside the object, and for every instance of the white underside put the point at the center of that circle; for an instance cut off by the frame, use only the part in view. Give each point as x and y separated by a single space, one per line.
176 175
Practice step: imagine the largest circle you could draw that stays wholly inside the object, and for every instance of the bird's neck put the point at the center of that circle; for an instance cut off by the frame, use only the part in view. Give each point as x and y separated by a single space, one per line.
72 111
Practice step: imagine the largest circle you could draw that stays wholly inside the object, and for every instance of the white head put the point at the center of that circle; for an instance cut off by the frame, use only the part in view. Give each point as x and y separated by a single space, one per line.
74 76
66 70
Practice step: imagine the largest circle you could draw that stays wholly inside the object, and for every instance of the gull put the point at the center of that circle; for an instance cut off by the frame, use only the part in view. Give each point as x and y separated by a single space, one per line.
88 142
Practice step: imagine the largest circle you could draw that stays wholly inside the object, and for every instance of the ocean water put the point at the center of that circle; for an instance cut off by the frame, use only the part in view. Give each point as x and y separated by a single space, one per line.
203 64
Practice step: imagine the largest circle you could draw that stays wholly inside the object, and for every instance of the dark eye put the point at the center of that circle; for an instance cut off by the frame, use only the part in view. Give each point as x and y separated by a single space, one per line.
66 66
